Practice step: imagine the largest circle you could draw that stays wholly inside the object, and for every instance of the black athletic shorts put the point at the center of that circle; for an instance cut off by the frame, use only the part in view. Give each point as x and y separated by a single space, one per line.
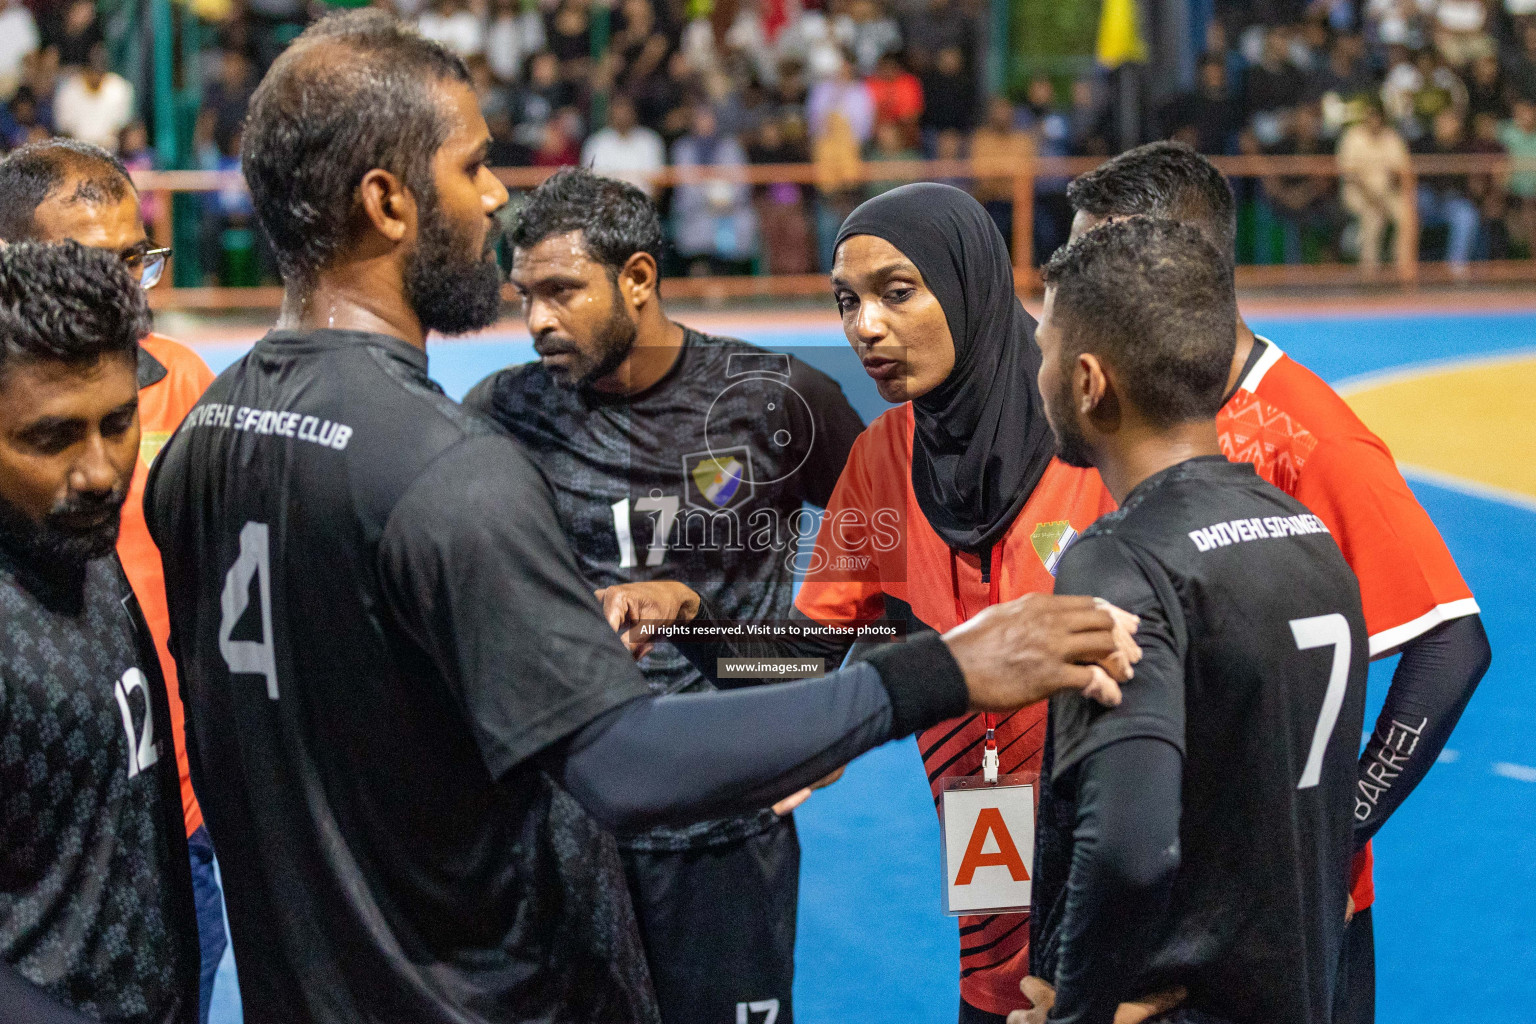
718 923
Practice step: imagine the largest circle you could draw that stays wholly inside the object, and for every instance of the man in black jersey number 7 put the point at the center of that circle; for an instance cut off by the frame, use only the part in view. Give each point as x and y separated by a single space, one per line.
1194 842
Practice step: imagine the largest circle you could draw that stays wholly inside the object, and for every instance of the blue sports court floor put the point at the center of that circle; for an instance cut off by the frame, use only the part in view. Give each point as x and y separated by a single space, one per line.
1456 868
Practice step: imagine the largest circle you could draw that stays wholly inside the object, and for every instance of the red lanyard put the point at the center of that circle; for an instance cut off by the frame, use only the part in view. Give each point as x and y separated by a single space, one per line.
994 577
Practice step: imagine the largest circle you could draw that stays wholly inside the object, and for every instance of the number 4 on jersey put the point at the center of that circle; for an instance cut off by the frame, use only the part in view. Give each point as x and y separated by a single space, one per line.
1324 631
253 657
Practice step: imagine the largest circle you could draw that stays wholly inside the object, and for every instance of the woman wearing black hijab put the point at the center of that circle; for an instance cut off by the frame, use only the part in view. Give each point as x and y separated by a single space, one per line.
952 501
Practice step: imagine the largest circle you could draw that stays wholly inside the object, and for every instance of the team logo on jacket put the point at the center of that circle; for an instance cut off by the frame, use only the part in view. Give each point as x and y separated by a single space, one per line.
721 478
1051 541
150 443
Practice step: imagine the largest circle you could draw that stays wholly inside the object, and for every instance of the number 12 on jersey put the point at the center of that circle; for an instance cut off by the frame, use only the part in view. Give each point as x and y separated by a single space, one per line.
1324 631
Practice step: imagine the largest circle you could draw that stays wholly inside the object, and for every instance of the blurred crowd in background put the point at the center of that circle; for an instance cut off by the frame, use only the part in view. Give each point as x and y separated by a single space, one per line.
643 84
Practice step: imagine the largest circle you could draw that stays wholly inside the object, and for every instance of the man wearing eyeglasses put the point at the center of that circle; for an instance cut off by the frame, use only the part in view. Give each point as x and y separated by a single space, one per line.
62 190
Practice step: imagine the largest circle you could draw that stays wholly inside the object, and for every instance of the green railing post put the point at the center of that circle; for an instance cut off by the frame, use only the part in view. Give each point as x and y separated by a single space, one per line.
163 33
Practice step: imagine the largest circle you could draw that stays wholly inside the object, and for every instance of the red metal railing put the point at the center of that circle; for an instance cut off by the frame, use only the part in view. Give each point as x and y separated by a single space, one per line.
1023 179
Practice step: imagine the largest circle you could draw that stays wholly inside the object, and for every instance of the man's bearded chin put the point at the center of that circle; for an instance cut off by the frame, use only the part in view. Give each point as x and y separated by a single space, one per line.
1071 446
50 541
614 341
449 291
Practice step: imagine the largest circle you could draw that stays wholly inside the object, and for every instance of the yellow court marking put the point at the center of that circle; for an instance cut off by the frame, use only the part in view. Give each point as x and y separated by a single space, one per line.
1475 421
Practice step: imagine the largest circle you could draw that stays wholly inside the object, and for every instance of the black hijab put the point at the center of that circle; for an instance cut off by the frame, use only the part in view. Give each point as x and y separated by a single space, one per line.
982 441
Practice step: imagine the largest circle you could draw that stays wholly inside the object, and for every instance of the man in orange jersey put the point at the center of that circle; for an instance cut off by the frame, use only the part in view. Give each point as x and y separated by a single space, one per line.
63 189
1304 439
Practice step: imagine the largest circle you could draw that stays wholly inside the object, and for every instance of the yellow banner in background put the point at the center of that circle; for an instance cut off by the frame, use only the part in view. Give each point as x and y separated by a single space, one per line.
1120 39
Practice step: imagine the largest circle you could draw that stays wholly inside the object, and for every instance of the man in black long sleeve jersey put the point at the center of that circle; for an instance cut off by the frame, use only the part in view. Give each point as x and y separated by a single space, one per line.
1302 437
96 913
1210 814
408 722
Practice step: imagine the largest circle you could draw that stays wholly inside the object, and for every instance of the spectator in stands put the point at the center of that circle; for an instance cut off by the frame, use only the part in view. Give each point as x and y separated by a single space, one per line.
1218 45
227 98
1272 87
639 45
1344 86
1488 191
662 96
21 120
1373 163
94 105
1461 31
1209 118
452 23
1306 206
788 246
890 146
138 155
1309 46
1487 92
560 146
1518 62
897 95
835 150
511 35
938 28
1089 123
749 41
949 95
228 238
998 148
844 94
74 30
1518 136
496 107
791 88
868 31
276 23
18 38
715 229
1441 89
810 40
535 104
570 39
1398 22
1402 81
1051 124
1446 199
949 145
626 149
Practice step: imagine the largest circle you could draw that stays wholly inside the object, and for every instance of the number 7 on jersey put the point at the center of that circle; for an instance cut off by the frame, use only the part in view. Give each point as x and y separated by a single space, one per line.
1324 631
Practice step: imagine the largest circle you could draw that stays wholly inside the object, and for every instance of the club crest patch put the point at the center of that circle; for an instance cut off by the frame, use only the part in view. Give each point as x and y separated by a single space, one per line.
1051 540
150 443
718 479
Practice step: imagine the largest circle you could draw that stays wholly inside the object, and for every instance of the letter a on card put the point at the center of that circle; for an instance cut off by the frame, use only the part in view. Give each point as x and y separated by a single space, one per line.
989 844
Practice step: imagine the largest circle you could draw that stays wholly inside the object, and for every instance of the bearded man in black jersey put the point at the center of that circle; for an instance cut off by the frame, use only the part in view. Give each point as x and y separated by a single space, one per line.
1195 841
666 448
96 913
408 720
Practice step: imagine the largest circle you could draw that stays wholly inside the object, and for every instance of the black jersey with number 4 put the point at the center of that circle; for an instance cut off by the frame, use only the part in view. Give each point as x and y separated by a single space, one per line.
1254 667
378 624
